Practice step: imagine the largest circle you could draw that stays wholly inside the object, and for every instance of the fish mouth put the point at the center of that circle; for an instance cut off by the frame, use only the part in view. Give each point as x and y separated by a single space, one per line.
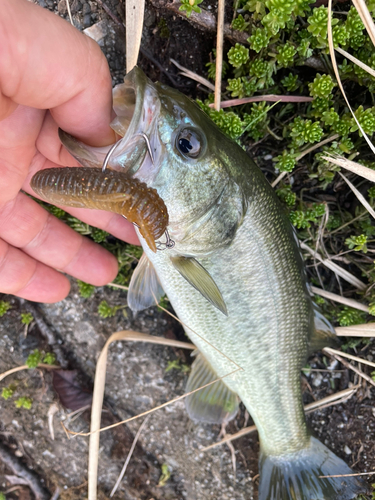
136 105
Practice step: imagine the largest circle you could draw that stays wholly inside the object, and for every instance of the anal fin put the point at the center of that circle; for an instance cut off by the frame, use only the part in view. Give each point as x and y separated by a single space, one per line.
145 289
200 279
214 404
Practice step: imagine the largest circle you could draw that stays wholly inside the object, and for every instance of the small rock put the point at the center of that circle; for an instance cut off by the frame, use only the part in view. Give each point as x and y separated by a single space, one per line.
86 9
347 450
76 6
318 378
61 8
97 32
93 6
87 20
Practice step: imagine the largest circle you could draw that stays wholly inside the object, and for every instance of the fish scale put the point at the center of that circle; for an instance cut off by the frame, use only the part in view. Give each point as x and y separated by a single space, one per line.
257 323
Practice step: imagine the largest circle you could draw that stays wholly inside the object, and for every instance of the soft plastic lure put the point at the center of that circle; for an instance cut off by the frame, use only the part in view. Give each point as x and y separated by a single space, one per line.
112 191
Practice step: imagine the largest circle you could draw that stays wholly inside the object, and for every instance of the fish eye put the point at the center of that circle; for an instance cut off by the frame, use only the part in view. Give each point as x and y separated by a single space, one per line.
189 143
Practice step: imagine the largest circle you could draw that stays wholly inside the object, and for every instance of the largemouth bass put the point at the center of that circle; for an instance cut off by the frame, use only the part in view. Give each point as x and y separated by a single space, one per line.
235 278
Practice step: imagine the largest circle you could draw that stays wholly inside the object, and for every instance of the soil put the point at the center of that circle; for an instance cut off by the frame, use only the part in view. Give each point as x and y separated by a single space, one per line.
137 375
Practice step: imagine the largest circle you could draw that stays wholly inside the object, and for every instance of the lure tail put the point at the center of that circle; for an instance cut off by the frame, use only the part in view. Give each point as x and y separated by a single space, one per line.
298 476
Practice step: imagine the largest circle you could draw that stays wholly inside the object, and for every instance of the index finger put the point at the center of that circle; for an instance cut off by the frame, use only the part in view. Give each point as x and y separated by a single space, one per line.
46 63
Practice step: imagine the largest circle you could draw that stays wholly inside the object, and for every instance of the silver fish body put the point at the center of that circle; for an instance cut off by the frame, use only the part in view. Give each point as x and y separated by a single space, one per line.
224 214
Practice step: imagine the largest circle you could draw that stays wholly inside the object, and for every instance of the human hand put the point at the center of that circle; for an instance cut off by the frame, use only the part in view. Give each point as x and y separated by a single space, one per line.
51 76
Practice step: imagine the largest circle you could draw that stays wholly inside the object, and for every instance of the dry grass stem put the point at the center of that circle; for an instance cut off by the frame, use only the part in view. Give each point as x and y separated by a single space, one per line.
365 330
335 69
190 74
367 20
219 52
356 61
131 451
262 98
98 396
25 367
341 300
349 365
134 14
352 166
135 417
69 12
350 475
115 285
359 196
304 153
339 397
349 356
335 268
316 146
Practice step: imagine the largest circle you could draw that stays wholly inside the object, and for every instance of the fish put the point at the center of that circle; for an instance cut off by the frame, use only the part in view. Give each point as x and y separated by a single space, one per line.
235 277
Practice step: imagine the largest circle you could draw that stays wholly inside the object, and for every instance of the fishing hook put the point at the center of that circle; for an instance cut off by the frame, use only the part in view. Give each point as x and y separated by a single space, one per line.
169 243
112 149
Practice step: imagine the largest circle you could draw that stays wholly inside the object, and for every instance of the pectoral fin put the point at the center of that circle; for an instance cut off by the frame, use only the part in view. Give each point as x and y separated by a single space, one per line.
145 289
324 334
214 404
200 279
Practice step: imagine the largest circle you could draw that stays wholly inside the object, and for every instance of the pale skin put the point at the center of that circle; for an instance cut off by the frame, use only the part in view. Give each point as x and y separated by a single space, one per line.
51 76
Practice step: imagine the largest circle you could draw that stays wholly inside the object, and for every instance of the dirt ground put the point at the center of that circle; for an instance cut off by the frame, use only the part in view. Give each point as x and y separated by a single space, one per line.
36 456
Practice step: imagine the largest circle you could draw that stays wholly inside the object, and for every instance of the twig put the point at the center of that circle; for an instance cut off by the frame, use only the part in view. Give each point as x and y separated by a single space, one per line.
219 53
204 20
134 25
123 470
332 353
316 405
335 268
25 367
18 468
341 300
349 475
262 98
194 76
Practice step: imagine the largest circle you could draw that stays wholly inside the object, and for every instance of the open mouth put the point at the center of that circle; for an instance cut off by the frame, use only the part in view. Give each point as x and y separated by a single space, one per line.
136 105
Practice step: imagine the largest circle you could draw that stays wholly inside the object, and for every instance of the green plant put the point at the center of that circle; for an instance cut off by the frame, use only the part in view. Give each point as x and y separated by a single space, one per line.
4 307
349 316
49 358
24 402
357 243
26 318
85 289
165 475
7 392
34 359
190 5
107 311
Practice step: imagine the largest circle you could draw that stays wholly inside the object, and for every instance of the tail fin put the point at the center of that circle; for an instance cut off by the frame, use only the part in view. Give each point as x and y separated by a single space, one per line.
298 476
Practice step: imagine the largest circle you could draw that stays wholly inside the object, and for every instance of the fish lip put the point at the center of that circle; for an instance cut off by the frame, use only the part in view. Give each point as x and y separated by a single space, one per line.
136 106
137 81
141 122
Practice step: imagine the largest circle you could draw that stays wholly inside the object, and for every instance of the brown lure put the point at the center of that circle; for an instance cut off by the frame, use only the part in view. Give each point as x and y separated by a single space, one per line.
112 191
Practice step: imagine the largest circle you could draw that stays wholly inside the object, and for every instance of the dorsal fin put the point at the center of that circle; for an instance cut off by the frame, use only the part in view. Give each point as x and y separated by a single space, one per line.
145 289
214 404
200 279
